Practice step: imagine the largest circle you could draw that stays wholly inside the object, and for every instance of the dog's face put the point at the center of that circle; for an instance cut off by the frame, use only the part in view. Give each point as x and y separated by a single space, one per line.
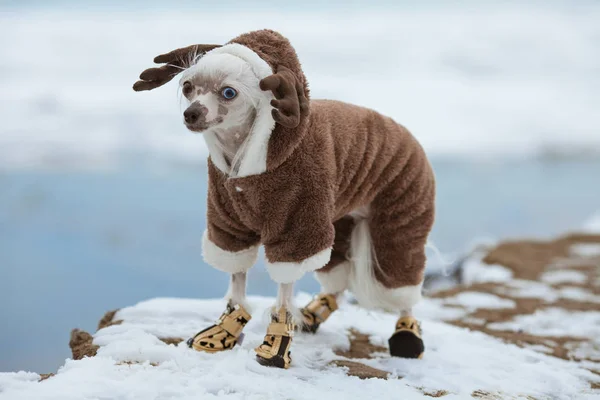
222 92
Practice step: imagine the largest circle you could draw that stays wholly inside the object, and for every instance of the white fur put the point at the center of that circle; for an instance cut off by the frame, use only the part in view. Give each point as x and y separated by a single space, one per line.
269 313
288 272
363 284
232 60
336 280
285 295
215 151
285 299
260 67
228 261
255 159
237 291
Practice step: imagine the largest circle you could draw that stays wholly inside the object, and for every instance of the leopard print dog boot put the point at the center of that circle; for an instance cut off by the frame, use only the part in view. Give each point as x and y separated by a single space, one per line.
275 349
406 342
317 312
225 334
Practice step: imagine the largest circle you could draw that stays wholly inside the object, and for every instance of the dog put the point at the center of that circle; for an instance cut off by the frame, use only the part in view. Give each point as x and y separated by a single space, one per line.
322 185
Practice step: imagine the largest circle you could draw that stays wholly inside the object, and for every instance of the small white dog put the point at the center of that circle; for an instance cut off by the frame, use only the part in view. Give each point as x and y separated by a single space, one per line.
322 185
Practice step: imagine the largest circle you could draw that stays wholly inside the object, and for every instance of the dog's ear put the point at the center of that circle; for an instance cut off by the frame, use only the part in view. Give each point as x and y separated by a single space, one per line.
175 61
290 100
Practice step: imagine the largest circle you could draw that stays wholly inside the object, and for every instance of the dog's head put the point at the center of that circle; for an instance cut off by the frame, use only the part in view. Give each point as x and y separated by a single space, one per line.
221 90
225 86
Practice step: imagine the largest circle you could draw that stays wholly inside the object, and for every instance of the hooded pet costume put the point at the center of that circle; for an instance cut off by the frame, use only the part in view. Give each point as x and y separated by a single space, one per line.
323 186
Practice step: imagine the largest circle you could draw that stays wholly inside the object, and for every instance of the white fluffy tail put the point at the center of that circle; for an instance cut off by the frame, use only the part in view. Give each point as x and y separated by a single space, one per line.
362 282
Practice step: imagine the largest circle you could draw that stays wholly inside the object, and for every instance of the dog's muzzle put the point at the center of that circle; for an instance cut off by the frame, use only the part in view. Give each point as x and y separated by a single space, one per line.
195 117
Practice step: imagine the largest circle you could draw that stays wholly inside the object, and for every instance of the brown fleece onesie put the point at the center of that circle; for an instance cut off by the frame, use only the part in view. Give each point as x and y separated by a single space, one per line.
338 158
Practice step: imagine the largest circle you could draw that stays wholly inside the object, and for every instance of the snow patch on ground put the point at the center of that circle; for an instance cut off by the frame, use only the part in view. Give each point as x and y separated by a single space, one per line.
519 288
578 294
564 276
475 271
475 300
437 309
16 381
586 249
523 288
457 360
586 350
555 322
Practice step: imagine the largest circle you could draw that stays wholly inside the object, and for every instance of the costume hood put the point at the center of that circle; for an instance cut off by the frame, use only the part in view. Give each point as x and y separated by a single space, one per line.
270 143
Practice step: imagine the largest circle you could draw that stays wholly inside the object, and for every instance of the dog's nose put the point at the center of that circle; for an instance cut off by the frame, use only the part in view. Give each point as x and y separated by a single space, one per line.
191 115
194 113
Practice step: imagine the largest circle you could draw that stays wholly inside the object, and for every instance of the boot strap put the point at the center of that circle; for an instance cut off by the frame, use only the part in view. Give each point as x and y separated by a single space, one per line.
322 306
274 351
408 324
280 329
230 320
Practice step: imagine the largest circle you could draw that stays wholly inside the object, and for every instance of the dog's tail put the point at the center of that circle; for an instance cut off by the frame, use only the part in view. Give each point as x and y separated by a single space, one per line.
369 292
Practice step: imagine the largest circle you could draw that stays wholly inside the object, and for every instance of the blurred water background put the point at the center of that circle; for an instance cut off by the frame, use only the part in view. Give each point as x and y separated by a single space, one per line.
102 190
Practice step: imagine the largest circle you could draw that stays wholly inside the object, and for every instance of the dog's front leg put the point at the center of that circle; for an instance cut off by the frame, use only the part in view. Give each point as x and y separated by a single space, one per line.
275 349
228 246
227 332
237 290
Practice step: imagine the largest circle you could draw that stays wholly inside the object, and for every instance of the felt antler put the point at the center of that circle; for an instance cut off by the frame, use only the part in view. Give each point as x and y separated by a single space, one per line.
175 62
290 101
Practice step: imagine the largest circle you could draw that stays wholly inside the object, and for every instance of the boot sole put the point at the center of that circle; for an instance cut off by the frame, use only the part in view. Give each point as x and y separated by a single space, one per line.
276 361
309 328
406 344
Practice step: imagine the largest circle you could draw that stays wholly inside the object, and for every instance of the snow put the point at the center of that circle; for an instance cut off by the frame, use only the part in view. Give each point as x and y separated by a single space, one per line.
456 360
524 288
586 350
475 271
521 288
576 293
16 380
437 309
564 276
586 249
494 87
593 224
555 322
475 300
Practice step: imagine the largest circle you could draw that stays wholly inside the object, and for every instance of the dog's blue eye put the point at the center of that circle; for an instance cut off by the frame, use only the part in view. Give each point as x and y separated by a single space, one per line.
229 93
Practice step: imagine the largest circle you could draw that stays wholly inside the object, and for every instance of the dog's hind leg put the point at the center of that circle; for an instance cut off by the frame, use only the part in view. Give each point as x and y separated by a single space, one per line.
333 278
388 257
275 349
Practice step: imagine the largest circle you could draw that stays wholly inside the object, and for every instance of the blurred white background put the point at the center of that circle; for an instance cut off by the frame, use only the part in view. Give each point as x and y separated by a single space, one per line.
473 78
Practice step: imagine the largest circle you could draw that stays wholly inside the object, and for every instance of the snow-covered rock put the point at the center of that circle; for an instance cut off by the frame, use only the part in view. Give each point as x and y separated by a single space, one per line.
133 363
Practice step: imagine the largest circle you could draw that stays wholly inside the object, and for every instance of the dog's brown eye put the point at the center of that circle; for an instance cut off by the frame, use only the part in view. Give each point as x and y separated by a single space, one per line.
187 87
